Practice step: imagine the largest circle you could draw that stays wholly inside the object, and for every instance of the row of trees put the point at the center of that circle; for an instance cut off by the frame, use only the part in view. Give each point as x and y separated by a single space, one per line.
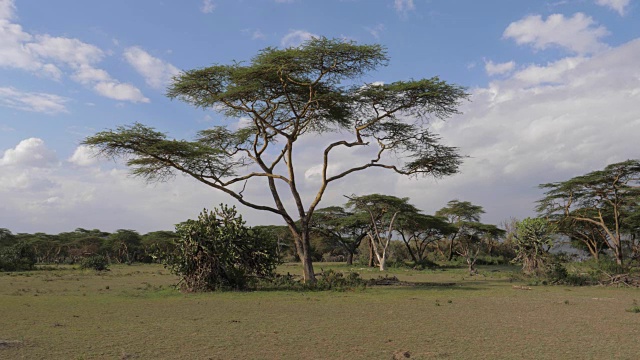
380 220
368 226
121 246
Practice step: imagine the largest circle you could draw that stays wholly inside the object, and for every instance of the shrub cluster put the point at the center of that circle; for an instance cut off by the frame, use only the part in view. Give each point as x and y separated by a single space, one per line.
218 252
18 257
95 262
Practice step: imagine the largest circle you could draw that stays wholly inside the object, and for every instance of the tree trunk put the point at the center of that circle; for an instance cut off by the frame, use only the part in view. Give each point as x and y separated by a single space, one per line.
304 252
450 256
371 256
349 258
618 252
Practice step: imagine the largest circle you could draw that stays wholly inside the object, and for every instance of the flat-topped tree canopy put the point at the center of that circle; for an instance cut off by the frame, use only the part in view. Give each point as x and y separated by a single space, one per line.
285 94
608 199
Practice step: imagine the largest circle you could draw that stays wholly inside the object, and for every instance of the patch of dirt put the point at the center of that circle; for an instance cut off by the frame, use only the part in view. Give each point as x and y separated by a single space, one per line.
393 280
5 344
401 354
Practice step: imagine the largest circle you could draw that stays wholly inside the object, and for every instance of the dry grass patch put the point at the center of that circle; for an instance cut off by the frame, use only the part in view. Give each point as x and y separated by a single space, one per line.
75 316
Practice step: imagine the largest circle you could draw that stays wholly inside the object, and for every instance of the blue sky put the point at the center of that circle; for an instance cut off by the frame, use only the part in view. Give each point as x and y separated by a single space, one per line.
555 92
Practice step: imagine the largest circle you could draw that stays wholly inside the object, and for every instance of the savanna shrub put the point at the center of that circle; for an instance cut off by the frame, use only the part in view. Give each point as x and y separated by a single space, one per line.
218 252
19 257
95 262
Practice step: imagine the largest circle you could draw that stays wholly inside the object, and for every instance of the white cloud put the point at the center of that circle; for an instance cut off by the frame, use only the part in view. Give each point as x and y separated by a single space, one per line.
617 5
207 6
119 91
30 101
72 52
522 131
403 6
157 73
83 156
296 38
578 34
376 30
52 56
7 9
498 69
549 73
257 34
87 74
30 152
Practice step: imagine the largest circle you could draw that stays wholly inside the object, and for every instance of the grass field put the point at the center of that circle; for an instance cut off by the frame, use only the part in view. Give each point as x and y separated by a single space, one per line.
132 312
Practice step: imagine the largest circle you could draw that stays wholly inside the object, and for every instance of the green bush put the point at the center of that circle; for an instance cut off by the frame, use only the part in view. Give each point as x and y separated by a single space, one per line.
218 252
95 262
19 257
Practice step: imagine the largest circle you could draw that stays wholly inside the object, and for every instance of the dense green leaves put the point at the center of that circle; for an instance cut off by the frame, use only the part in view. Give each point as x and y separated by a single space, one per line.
533 240
217 251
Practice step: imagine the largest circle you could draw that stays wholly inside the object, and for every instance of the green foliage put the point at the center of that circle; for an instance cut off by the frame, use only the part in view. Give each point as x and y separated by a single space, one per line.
635 308
286 95
599 208
532 241
18 257
217 251
95 262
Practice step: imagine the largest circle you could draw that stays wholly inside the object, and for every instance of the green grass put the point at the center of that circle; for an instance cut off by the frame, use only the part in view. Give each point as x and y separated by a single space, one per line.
132 312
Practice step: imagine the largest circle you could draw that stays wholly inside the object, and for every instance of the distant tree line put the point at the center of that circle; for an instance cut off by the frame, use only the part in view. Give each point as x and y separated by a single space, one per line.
121 246
598 213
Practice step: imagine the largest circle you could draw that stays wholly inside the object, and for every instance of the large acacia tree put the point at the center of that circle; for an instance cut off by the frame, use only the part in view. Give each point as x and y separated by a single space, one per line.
605 200
287 94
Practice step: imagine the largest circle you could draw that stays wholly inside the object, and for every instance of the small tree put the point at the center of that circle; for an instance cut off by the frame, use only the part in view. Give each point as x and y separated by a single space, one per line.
459 213
345 228
476 235
418 231
218 251
383 211
532 241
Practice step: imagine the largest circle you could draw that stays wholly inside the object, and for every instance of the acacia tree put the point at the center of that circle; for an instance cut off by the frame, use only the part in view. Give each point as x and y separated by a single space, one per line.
418 231
459 213
474 237
604 198
287 94
343 227
382 211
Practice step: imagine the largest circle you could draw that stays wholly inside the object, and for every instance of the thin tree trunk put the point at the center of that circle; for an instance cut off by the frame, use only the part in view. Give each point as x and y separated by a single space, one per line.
350 258
371 256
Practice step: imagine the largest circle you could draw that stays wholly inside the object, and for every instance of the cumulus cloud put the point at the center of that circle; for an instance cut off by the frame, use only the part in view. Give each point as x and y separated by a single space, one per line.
119 91
83 156
52 56
552 72
619 6
7 9
578 34
32 101
157 73
522 134
296 38
498 69
30 152
207 6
